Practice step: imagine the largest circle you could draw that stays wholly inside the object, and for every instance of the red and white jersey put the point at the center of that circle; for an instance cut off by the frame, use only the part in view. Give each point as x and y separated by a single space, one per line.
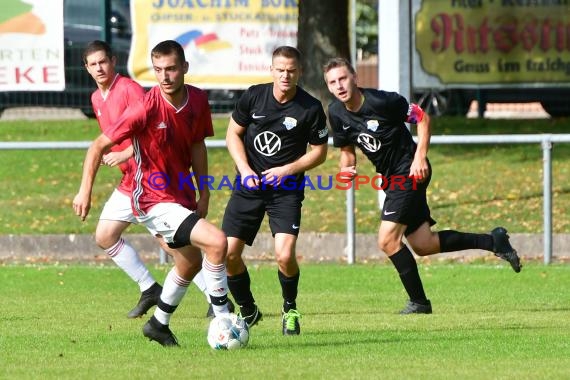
108 108
162 138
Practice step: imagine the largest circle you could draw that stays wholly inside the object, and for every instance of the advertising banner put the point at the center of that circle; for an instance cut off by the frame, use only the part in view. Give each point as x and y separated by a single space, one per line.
228 43
483 42
31 45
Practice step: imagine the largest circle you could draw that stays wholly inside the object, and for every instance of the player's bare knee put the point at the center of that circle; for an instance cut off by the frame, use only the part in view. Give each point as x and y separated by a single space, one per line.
234 261
100 241
233 257
285 258
221 248
218 243
107 234
216 250
105 240
388 245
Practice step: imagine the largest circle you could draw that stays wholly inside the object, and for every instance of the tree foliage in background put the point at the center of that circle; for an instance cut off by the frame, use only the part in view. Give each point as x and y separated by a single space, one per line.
367 27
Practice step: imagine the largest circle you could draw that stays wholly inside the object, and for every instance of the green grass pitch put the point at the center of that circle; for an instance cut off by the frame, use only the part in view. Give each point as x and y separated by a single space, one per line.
69 322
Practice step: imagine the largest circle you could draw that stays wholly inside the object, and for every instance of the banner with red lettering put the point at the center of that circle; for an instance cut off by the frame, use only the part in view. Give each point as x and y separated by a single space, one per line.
31 45
490 43
227 43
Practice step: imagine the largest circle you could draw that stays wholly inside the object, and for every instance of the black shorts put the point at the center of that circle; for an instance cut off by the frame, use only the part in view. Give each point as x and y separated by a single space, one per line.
406 202
246 208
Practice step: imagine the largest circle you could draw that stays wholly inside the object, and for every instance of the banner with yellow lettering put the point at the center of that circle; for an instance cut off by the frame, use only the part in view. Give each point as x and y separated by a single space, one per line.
228 43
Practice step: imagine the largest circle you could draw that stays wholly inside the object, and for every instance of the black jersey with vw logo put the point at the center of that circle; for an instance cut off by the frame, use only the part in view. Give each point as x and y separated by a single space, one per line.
378 129
278 133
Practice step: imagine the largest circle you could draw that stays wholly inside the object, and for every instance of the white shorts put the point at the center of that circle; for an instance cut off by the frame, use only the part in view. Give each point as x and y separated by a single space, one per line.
164 219
118 207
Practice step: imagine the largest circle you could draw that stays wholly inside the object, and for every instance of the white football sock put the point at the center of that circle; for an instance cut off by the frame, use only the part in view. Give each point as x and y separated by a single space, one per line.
199 281
173 291
125 256
216 281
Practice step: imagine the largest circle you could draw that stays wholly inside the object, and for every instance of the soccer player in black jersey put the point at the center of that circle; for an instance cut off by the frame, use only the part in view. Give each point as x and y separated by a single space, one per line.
267 137
374 121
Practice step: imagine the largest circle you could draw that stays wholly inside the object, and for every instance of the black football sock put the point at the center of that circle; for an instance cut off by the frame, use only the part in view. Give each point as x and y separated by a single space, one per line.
451 241
407 268
289 290
240 287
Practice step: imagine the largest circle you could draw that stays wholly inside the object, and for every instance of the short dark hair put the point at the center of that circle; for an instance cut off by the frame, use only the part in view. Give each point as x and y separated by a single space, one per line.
168 47
287 52
333 63
95 46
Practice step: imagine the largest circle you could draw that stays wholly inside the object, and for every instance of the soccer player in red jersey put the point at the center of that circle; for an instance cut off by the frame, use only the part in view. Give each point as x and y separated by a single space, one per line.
167 131
374 121
114 94
112 97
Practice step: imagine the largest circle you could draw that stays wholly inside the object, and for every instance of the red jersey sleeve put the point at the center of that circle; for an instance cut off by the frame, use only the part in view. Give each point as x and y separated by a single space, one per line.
134 93
130 122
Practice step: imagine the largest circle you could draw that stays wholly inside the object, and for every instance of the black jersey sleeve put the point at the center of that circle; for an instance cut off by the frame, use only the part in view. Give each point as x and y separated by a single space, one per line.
241 114
319 131
339 134
397 107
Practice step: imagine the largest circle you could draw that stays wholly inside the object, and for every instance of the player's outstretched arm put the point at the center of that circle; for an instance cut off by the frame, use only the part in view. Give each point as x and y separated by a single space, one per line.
82 201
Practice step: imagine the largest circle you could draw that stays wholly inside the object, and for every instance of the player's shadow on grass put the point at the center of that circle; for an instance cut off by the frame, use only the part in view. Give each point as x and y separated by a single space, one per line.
547 309
380 336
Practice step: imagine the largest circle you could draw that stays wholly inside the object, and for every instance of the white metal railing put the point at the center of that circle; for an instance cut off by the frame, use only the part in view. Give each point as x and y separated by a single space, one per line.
545 140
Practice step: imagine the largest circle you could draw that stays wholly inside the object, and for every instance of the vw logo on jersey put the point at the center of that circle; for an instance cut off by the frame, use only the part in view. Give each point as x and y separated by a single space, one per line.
372 125
369 142
290 123
267 143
